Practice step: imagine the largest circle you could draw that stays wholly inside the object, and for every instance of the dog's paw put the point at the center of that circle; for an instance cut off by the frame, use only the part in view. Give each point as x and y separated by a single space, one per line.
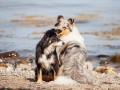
40 82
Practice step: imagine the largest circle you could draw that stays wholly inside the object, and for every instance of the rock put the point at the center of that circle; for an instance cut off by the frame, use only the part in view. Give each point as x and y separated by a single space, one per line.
10 61
103 63
18 69
27 59
100 69
104 87
9 69
1 60
9 54
110 68
116 58
8 64
102 56
118 66
3 65
33 65
118 74
96 83
2 68
24 67
30 64
32 72
111 73
21 62
30 59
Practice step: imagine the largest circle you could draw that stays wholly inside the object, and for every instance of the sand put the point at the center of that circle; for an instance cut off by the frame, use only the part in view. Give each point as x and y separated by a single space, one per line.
25 80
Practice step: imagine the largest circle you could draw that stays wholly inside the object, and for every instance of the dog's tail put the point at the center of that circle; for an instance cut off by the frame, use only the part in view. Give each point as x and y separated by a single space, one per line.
65 80
68 81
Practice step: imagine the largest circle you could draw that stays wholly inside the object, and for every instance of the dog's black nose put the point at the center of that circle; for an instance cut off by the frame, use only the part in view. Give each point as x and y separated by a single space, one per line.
58 31
63 43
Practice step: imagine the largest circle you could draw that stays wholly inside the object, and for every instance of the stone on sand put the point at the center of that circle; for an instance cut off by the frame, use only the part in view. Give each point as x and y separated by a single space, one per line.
24 67
111 73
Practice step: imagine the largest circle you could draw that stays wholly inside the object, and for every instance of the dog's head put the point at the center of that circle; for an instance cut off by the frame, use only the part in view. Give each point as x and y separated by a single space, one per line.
50 39
63 27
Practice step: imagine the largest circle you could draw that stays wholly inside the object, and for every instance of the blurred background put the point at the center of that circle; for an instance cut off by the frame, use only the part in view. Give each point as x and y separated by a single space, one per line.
22 23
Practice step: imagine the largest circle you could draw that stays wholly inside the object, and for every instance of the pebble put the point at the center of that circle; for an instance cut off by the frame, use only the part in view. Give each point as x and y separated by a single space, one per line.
104 87
111 73
3 65
96 83
18 69
24 67
2 68
118 74
116 58
9 54
1 60
9 69
21 62
110 68
100 69
9 65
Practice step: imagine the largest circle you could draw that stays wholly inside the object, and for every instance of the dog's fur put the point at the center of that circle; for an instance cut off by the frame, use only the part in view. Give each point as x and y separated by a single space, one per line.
46 57
73 53
73 57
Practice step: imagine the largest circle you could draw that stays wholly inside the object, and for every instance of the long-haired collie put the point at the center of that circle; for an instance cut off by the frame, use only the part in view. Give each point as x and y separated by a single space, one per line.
46 57
73 53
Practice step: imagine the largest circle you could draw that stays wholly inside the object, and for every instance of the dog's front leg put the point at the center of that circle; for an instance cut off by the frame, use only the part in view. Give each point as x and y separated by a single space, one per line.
55 76
39 76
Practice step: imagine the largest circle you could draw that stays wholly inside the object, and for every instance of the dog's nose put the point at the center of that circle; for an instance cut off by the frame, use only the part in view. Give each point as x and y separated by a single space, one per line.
58 31
63 43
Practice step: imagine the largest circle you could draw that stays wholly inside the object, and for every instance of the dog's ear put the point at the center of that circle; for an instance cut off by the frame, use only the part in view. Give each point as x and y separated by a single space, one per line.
45 42
60 17
71 21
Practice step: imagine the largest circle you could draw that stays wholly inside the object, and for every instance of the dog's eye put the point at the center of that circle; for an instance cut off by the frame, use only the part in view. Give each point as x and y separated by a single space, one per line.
64 27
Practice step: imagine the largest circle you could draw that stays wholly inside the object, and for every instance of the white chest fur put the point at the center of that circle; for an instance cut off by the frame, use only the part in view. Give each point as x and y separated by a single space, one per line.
46 63
73 36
